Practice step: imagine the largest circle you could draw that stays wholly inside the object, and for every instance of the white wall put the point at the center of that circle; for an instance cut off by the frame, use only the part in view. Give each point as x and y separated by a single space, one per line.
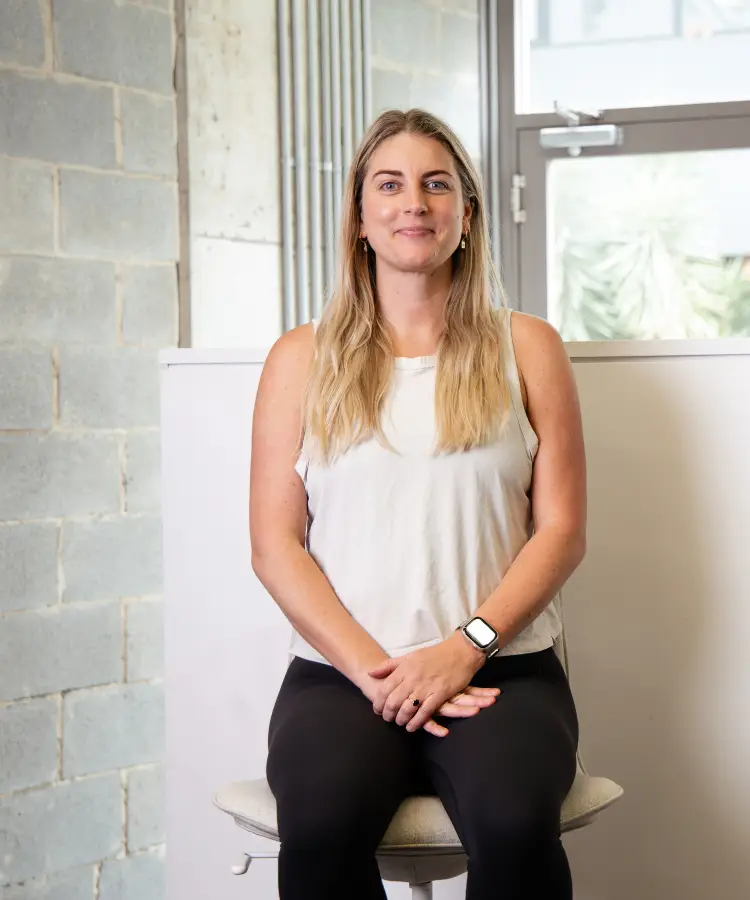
657 620
233 158
658 617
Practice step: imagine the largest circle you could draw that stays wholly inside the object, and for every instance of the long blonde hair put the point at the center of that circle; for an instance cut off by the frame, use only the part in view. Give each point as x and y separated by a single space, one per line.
353 361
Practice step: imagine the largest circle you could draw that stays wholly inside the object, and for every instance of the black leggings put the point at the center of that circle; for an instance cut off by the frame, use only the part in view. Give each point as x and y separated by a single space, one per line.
339 772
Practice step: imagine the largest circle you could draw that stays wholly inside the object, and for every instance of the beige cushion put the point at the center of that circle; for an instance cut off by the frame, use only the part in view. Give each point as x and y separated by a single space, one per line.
421 823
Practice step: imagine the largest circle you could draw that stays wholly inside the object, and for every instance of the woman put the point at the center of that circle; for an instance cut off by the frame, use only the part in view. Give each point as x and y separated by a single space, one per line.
417 501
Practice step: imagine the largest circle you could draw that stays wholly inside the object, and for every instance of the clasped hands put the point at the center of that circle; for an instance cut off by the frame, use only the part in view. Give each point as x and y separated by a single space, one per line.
438 676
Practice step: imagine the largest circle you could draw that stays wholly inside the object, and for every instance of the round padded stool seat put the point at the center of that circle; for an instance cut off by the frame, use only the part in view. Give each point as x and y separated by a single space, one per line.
421 844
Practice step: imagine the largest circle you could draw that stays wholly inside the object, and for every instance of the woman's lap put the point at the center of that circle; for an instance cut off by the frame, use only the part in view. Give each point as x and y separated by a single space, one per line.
333 764
326 742
508 769
339 773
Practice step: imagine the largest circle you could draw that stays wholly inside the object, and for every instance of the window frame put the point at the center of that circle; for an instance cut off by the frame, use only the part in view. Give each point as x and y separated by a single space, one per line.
506 141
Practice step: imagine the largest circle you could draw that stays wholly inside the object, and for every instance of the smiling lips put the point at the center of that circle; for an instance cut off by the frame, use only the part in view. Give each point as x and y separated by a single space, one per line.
414 232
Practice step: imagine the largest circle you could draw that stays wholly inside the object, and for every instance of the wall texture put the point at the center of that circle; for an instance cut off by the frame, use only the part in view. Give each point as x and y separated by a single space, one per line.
425 53
233 178
88 243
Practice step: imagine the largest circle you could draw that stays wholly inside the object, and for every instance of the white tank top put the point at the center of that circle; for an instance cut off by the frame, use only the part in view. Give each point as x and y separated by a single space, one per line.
414 543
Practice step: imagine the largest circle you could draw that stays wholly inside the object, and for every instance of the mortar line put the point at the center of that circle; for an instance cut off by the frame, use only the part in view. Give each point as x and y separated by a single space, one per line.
97 879
71 257
84 519
72 78
168 180
124 786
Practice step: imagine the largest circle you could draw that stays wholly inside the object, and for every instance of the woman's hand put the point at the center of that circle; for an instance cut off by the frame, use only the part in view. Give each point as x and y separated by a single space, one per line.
463 705
438 677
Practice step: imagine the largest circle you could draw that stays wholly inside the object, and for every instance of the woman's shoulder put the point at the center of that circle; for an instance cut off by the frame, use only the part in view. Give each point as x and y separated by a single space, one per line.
294 347
532 329
538 348
533 338
287 365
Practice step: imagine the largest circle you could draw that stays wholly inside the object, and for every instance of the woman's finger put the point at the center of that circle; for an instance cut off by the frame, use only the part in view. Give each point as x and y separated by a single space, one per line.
432 727
384 669
454 711
407 711
472 700
385 692
481 691
395 700
426 710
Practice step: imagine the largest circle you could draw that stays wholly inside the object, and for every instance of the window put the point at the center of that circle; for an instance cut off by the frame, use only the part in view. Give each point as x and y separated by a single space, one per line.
629 217
650 246
612 54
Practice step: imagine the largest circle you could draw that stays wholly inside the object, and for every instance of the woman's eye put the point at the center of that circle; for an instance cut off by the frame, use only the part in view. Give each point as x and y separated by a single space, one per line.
439 185
388 185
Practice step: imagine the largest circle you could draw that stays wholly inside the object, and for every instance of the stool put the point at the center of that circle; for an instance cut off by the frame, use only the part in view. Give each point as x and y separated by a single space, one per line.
421 844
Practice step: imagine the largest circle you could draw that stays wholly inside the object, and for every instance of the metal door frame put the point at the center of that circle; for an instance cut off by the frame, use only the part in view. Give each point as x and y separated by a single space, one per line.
510 146
686 136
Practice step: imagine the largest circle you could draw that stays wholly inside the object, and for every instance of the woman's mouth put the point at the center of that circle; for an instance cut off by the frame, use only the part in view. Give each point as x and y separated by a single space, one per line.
414 232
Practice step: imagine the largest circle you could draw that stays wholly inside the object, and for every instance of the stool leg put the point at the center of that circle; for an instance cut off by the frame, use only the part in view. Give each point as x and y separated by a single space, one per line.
421 891
243 866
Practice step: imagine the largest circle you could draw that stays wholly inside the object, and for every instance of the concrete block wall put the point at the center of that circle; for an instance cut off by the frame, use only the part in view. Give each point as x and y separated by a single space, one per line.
88 246
234 188
438 72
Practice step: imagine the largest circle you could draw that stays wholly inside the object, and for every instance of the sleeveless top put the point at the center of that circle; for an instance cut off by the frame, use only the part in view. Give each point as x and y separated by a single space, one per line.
413 543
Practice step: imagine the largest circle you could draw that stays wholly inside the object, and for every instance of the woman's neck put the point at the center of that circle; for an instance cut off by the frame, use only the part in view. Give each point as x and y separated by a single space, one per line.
412 305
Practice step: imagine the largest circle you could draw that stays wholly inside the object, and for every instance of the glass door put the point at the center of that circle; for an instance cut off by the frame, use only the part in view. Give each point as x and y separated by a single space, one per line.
641 240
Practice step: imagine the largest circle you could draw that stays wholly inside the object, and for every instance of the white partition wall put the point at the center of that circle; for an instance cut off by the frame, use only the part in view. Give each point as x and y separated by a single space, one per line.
658 621
658 618
225 638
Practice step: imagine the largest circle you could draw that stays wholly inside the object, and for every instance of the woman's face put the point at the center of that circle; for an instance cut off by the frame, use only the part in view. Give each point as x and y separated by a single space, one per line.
413 212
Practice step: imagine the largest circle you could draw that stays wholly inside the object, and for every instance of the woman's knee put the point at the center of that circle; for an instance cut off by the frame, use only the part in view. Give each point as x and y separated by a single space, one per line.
315 832
522 830
318 820
330 833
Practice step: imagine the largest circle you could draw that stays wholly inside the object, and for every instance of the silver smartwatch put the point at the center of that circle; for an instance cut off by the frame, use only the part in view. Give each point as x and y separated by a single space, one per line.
482 635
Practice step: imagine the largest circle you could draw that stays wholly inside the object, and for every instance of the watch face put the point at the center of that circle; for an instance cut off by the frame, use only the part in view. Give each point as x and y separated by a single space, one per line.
480 632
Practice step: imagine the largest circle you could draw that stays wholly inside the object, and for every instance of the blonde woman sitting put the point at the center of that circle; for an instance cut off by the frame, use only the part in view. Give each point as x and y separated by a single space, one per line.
417 501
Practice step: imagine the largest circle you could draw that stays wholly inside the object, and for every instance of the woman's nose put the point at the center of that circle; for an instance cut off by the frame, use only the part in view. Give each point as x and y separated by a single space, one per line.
415 201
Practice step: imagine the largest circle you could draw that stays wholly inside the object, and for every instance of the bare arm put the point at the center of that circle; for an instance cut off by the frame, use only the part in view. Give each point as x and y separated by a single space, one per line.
558 491
278 517
558 496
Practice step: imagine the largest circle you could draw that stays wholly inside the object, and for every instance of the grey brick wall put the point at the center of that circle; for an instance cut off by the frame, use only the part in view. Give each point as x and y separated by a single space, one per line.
145 794
74 884
439 72
88 295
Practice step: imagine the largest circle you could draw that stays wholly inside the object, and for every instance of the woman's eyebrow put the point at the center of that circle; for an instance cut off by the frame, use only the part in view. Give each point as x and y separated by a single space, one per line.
398 174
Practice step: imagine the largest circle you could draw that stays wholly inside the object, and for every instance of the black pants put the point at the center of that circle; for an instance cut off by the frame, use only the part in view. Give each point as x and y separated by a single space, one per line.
339 772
